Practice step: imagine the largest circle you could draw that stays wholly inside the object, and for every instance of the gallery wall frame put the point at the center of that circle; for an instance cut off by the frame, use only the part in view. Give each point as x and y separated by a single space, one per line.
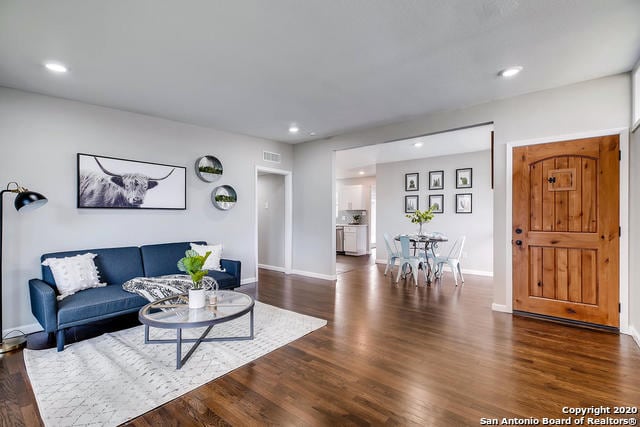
464 203
436 180
411 181
464 178
411 204
113 183
438 201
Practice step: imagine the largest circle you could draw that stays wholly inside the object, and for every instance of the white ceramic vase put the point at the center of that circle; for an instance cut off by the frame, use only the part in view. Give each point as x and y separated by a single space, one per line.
196 298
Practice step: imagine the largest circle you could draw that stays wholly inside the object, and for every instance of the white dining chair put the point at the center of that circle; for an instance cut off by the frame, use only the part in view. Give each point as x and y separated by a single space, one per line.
452 259
393 253
407 259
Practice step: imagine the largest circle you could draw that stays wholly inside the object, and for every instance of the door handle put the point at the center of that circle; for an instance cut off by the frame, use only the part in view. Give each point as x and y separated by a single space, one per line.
552 179
519 242
518 230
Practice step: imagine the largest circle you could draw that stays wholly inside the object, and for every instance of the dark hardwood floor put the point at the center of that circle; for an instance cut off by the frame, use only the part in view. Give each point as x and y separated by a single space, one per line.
394 355
346 263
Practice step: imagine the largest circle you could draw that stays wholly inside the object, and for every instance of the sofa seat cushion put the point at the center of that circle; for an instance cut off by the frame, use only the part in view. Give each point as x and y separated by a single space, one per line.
97 303
225 280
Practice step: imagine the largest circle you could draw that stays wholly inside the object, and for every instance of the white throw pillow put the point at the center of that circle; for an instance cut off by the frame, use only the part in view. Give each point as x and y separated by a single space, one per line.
73 274
213 262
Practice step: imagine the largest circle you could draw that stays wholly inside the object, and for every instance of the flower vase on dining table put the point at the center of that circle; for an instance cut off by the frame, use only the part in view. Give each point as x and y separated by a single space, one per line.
420 217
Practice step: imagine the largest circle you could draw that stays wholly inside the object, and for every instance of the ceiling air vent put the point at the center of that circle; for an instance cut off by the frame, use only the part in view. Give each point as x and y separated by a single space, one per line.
268 156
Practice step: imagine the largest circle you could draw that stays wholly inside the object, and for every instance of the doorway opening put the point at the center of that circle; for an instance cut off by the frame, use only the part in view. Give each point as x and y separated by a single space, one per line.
273 219
451 170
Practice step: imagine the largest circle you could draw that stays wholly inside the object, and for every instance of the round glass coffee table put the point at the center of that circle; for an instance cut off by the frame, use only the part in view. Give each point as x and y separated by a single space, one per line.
174 313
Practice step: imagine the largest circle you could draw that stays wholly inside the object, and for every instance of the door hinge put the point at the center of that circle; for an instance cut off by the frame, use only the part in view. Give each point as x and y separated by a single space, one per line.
619 154
619 308
619 231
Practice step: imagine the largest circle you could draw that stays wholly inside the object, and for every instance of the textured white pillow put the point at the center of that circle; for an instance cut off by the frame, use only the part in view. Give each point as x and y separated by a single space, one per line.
213 262
73 274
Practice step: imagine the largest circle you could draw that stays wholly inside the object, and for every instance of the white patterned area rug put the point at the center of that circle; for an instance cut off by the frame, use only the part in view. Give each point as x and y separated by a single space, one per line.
115 377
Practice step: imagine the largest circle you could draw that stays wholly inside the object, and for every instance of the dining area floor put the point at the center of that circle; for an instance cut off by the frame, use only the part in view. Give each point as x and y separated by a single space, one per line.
346 263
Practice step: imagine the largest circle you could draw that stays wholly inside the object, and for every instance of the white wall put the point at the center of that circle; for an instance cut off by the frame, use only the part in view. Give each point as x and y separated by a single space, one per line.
593 105
271 220
477 226
40 137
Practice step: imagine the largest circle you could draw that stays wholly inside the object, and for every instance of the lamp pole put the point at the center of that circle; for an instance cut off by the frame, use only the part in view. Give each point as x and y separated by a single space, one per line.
2 342
24 199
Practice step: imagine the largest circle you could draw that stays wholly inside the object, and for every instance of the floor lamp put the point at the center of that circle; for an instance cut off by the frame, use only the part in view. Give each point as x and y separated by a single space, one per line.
25 200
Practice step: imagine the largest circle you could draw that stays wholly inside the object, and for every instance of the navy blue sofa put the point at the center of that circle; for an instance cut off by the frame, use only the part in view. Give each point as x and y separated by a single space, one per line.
116 266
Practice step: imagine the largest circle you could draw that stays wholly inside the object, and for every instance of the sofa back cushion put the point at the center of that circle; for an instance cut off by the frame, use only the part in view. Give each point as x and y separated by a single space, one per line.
162 259
115 265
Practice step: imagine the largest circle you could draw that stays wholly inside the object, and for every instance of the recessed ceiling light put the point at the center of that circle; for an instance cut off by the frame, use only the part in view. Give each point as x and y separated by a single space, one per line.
56 67
510 72
294 129
312 133
361 172
418 144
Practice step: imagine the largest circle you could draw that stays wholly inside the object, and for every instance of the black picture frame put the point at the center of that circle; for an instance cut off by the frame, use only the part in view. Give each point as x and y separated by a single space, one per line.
411 204
437 199
464 178
412 181
464 203
101 182
436 180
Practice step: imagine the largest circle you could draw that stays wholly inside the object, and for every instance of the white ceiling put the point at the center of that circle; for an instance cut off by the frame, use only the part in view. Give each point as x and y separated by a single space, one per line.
349 163
255 66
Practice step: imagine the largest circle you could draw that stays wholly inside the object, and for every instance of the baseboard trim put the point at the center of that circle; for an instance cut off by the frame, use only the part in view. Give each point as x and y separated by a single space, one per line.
315 275
478 272
502 308
464 270
26 329
248 280
634 333
272 268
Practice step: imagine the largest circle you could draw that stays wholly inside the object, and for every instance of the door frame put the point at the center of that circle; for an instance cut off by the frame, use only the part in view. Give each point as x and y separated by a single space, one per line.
288 216
624 215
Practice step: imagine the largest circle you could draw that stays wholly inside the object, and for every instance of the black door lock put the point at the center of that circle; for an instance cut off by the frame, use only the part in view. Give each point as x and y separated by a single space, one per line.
552 179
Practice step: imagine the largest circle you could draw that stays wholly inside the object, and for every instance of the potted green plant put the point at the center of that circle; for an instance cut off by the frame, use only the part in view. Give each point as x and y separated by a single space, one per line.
421 217
192 264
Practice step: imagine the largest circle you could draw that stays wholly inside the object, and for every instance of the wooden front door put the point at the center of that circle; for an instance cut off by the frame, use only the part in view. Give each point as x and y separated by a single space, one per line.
565 234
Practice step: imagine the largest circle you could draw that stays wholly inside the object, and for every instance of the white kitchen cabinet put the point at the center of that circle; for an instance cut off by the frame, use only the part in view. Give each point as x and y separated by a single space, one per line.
350 240
352 198
355 240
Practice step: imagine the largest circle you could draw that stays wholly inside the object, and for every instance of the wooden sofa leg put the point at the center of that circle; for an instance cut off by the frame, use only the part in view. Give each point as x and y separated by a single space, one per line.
60 339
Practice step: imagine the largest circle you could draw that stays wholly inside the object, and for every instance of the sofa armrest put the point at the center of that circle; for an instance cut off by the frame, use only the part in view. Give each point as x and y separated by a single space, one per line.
44 305
233 268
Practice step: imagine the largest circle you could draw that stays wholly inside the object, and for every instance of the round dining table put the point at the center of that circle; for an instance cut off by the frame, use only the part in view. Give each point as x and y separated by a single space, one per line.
428 242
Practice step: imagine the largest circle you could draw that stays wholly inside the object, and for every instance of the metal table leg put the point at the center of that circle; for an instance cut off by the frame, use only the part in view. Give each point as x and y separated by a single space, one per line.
180 361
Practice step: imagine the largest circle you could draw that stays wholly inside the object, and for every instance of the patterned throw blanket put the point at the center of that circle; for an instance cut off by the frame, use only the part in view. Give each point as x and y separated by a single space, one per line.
155 288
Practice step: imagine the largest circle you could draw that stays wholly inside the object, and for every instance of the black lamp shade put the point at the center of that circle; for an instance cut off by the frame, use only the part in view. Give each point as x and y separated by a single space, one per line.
28 200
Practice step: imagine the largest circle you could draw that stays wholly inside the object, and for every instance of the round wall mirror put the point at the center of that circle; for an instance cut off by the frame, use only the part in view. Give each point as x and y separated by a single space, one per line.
208 168
224 197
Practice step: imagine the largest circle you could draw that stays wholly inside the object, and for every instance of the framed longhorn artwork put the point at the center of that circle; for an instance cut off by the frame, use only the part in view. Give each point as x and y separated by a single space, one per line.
112 183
